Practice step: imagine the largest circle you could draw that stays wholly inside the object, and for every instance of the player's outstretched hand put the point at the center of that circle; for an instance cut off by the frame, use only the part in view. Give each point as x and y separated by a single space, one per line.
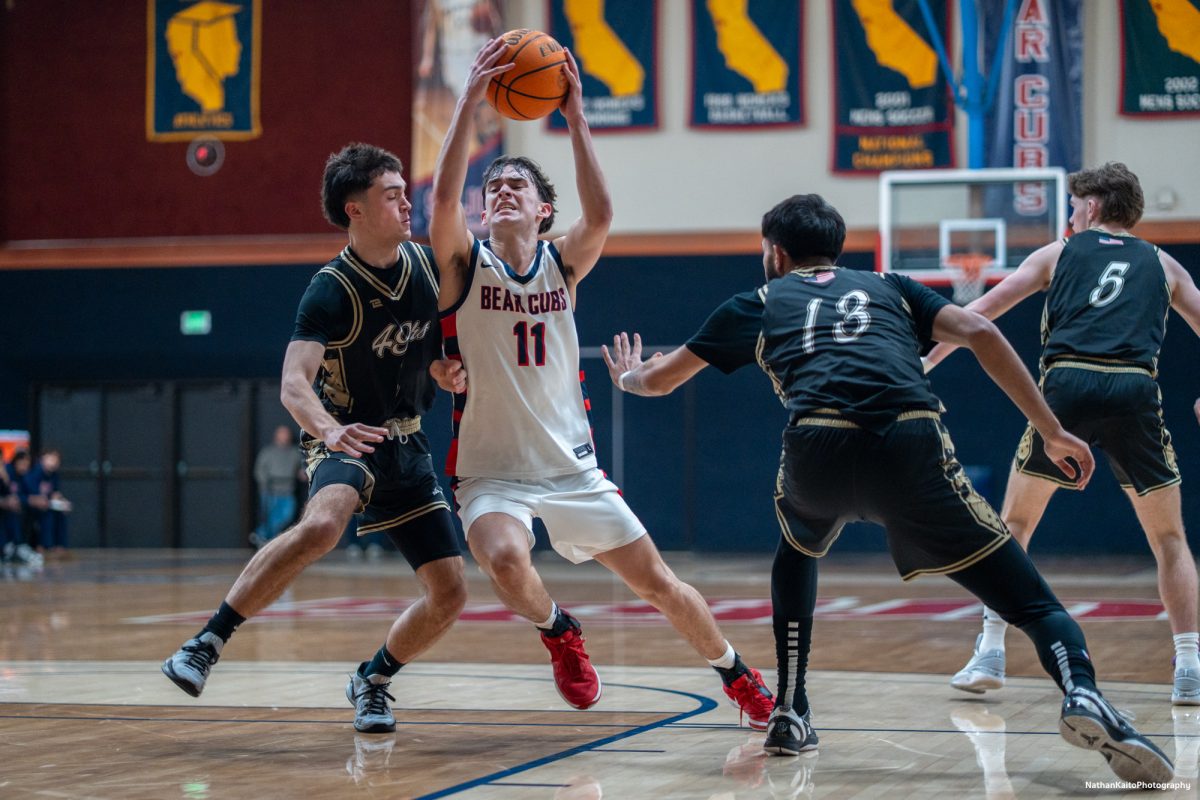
1062 446
1196 408
449 374
624 356
353 439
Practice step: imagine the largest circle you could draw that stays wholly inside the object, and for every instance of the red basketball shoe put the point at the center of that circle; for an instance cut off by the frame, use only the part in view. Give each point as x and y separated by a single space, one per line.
574 676
752 697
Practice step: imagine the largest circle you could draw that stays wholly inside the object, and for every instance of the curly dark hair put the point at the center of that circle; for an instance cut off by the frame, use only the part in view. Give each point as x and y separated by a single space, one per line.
1117 190
350 172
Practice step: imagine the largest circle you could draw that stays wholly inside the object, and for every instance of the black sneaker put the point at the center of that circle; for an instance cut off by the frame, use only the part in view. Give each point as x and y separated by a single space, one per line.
1089 721
190 665
789 734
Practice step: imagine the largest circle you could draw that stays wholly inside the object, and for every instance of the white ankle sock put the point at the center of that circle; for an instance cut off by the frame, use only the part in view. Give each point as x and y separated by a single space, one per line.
1186 656
549 623
993 631
727 660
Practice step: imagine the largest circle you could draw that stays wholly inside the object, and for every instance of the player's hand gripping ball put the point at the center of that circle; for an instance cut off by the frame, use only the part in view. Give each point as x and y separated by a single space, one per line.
537 84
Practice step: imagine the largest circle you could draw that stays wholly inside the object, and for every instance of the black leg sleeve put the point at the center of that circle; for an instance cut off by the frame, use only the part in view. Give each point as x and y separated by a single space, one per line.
1008 583
794 597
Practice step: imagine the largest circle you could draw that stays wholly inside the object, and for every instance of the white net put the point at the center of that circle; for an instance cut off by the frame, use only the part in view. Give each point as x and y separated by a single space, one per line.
968 275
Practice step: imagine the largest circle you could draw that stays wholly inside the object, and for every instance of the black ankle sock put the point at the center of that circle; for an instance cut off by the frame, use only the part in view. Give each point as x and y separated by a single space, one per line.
731 674
382 663
224 622
562 624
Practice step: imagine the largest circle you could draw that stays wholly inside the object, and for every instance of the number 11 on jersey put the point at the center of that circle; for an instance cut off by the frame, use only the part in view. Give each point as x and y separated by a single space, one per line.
523 331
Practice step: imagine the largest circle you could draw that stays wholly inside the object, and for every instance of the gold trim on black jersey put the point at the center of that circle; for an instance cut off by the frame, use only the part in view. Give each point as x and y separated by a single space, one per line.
355 302
369 275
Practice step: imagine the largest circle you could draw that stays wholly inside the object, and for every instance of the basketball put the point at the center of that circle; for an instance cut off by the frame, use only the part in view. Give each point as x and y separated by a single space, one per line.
538 83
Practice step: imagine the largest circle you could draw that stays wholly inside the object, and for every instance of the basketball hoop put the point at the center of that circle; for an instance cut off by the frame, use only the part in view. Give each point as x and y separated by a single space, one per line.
968 275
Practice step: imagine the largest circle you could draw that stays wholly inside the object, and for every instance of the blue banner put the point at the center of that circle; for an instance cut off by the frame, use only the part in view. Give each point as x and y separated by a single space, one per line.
746 64
202 70
1037 119
892 104
615 43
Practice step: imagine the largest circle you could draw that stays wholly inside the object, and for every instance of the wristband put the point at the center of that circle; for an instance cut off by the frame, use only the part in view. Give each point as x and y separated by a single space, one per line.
621 380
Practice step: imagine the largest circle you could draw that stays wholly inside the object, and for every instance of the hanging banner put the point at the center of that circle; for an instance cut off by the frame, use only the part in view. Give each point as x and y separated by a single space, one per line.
892 105
746 63
1037 119
451 33
615 43
202 70
1160 58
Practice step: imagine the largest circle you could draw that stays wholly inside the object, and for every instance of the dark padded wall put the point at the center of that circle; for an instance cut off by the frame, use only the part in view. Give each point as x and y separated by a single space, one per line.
699 465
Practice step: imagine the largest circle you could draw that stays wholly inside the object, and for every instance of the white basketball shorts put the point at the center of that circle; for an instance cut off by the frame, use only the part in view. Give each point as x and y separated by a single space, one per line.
584 513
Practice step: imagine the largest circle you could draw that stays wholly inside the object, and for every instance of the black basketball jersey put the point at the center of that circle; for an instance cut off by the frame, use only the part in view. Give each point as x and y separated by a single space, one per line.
831 338
1108 300
380 332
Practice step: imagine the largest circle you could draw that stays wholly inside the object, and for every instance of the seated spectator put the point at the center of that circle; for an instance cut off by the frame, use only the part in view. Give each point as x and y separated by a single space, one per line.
18 470
10 517
49 504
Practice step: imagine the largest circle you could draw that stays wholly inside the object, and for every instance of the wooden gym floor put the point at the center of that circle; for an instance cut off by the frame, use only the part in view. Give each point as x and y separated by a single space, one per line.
85 712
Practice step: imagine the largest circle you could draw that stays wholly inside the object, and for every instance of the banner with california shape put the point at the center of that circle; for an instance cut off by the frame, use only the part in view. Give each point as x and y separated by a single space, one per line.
746 63
202 70
892 104
614 42
1160 58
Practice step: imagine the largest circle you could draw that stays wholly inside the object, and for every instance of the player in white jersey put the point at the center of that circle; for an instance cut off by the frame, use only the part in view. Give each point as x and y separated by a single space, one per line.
523 446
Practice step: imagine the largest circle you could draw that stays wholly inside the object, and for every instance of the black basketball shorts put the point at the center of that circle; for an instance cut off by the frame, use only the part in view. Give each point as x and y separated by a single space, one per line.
399 494
906 479
1115 408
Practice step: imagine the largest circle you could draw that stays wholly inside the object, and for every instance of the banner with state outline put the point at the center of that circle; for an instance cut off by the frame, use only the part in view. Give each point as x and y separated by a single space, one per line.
202 70
892 103
615 43
747 65
1160 58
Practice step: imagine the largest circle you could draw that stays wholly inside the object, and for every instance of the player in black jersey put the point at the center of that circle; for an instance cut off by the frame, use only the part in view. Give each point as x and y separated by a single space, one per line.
864 441
356 379
1107 298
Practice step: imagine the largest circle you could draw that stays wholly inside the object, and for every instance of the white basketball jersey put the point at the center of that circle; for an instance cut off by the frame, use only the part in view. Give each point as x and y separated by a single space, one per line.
525 412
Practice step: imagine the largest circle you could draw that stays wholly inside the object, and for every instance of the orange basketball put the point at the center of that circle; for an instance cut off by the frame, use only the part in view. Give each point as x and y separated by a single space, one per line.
538 83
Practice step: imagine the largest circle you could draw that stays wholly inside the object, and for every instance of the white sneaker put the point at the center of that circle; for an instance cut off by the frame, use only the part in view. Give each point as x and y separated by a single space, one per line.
1187 687
31 558
984 671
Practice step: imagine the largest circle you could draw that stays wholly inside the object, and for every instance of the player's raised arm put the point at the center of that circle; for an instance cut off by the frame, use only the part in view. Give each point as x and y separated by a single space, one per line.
662 374
584 240
448 231
960 326
1033 275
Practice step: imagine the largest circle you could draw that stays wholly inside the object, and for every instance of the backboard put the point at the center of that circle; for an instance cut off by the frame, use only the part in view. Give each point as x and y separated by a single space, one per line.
932 220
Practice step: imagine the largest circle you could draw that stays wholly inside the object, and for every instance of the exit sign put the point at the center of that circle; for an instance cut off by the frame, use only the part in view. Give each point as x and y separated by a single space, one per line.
195 323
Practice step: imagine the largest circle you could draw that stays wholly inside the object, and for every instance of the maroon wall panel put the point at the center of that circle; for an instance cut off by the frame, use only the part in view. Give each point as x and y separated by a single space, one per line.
74 159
